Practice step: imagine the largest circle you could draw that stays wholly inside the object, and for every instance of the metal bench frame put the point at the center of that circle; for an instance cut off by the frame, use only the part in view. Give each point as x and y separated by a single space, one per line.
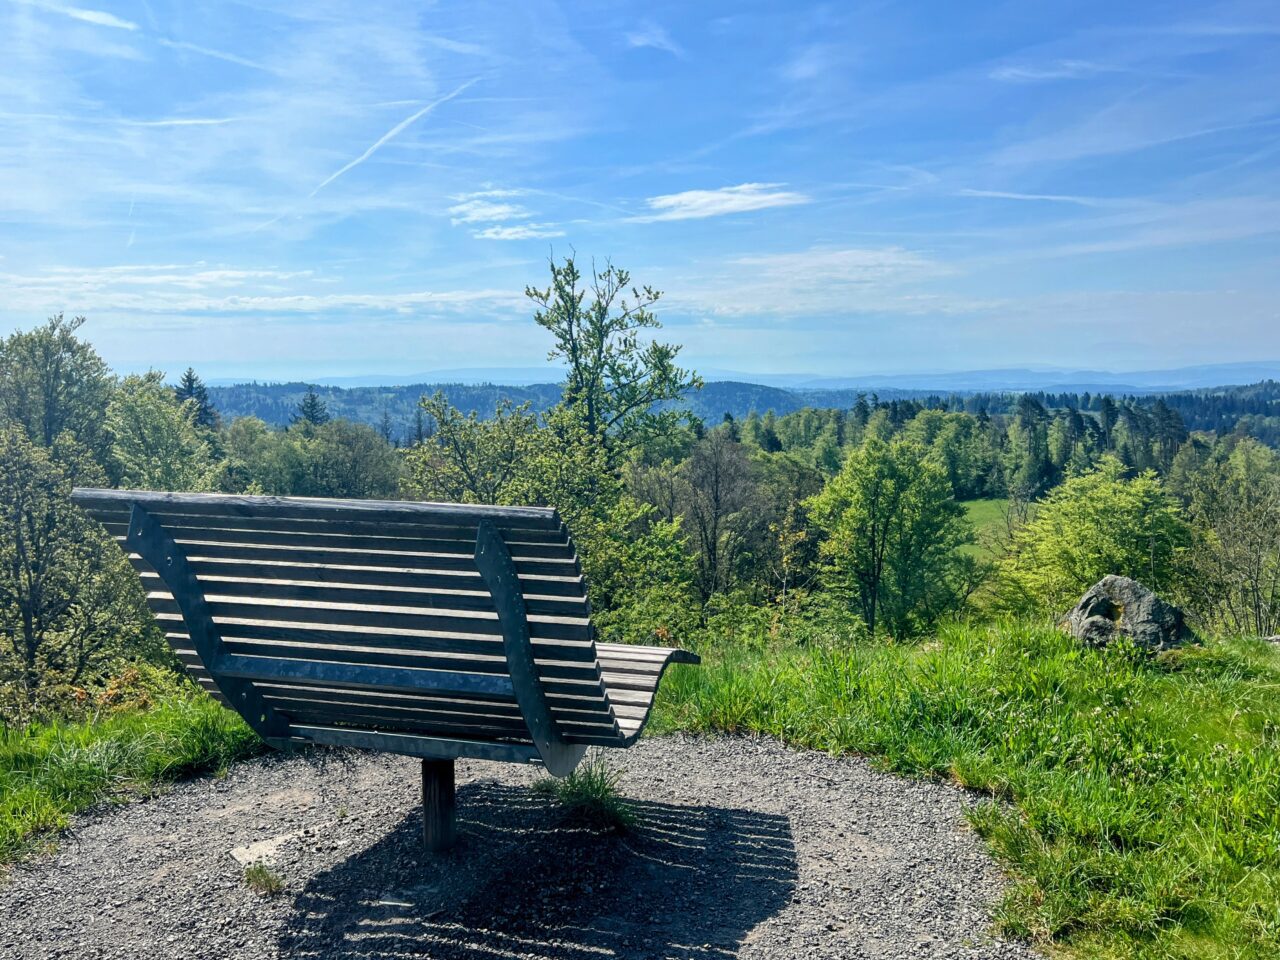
237 678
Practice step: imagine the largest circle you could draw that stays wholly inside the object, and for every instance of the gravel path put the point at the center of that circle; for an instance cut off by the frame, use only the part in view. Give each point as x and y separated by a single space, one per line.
741 848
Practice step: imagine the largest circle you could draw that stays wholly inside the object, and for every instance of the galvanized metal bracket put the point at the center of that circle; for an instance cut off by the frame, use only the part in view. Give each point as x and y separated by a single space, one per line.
148 539
494 562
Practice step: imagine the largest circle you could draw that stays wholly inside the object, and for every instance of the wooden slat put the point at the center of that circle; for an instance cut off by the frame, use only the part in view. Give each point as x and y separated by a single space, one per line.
188 535
306 712
372 528
359 675
438 563
399 658
353 574
451 622
348 711
426 699
279 590
414 746
389 511
550 650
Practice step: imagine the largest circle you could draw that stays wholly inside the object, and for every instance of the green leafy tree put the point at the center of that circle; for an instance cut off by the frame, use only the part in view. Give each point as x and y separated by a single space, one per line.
1092 525
466 459
155 441
613 381
52 382
891 532
346 459
69 601
1233 574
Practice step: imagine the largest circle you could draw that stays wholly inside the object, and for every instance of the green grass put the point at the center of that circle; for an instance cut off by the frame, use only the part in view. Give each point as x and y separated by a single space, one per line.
987 517
50 771
259 878
1144 796
590 795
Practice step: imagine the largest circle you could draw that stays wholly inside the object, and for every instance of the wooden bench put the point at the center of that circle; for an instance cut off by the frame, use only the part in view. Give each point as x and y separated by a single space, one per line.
433 630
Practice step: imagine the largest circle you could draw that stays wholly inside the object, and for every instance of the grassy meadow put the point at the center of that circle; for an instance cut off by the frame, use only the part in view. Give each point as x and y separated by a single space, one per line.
1138 798
50 771
1141 798
987 518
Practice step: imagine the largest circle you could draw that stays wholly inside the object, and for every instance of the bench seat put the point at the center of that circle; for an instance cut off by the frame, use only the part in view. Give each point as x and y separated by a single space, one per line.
433 630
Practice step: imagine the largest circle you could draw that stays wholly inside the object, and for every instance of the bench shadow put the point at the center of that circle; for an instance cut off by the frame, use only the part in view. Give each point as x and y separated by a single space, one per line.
688 882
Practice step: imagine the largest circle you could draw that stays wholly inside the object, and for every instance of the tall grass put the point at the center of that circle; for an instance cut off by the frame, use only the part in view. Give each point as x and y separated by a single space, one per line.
49 771
1144 813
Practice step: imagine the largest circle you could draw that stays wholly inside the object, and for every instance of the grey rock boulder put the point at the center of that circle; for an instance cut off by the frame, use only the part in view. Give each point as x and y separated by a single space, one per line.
1120 607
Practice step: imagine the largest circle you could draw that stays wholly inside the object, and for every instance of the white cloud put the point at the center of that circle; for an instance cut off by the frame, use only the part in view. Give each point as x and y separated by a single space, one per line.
1045 197
697 204
173 290
823 281
485 211
809 64
522 231
1056 70
392 134
650 34
97 17
208 52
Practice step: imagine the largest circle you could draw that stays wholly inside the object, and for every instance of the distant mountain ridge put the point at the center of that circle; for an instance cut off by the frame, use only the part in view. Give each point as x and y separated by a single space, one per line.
396 406
1014 379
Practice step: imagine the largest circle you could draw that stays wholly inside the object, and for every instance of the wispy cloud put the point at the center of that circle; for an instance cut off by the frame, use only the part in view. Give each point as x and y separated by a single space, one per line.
1054 70
809 63
391 134
1035 197
824 281
215 54
520 231
175 289
474 209
650 34
97 17
698 204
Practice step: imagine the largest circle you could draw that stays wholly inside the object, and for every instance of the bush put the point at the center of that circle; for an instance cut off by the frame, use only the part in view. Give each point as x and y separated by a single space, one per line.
1095 524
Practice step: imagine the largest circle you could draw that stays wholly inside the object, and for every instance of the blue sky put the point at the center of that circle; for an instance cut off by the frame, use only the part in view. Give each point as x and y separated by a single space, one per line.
316 189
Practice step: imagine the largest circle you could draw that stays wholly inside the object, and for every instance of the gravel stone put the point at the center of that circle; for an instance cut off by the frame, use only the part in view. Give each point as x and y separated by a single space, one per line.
741 848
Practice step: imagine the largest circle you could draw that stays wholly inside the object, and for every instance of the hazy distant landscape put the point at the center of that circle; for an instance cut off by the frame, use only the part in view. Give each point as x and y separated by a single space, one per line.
395 409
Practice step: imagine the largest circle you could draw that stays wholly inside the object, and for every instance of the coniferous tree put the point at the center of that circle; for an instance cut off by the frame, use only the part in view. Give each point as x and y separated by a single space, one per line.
312 411
192 388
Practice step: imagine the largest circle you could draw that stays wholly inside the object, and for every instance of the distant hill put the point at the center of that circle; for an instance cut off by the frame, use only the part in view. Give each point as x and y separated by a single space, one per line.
996 380
276 403
1202 407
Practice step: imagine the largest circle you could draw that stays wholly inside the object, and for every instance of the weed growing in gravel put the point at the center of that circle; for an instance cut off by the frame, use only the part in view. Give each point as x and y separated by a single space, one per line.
50 771
590 795
1145 815
261 880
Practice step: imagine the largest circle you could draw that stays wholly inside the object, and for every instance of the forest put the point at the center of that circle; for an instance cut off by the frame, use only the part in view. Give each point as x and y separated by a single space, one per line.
396 413
924 544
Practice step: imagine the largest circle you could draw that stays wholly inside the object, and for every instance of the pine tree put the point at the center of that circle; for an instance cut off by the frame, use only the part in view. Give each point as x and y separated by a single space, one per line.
191 387
312 410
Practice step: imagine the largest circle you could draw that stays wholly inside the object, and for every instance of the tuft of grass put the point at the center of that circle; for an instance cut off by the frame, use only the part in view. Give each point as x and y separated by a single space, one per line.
259 878
1143 813
590 795
50 771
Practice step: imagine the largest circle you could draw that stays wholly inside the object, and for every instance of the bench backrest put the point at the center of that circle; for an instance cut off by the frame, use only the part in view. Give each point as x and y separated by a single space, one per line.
466 625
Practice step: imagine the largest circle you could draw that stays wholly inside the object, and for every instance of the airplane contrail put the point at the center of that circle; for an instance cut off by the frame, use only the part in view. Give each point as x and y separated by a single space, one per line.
391 135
